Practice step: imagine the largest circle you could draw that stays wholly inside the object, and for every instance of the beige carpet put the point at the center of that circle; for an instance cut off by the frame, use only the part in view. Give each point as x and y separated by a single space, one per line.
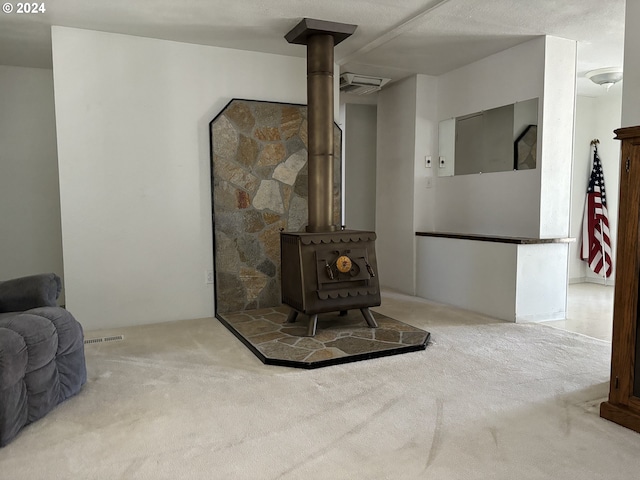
486 400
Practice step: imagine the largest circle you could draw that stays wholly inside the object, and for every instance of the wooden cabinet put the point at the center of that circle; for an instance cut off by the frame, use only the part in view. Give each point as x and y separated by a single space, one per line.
623 406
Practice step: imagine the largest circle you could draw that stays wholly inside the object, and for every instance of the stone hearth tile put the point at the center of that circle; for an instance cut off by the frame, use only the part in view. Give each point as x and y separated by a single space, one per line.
255 327
254 281
295 331
310 343
325 354
368 334
270 238
236 175
413 338
225 137
326 335
303 134
295 144
267 337
231 295
267 134
272 154
270 294
386 335
249 250
287 191
353 345
242 199
288 171
240 114
262 311
228 258
267 114
270 218
268 268
399 327
239 318
248 150
276 317
291 119
298 216
253 221
268 197
225 195
279 349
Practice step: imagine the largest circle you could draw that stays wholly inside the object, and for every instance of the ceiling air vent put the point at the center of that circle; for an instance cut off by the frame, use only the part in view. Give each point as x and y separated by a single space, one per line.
361 84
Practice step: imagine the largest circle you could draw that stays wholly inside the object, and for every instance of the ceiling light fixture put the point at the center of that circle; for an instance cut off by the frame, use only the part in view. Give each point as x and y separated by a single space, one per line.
607 77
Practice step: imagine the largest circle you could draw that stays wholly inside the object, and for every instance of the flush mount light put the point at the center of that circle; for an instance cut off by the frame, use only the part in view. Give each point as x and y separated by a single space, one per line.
607 77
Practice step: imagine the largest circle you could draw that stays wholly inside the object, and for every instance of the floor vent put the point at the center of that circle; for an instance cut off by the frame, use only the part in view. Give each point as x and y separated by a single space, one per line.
113 338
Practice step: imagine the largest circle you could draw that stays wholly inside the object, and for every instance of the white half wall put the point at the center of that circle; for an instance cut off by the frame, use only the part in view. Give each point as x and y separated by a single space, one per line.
133 143
31 239
474 275
541 287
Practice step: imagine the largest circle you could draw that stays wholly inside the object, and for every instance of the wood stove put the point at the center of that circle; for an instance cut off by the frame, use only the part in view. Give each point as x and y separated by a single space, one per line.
325 269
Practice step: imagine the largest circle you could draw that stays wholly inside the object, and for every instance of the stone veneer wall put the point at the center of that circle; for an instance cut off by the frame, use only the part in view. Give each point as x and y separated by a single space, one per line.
259 187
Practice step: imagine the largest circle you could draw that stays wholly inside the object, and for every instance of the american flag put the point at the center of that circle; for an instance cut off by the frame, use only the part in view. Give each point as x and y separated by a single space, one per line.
596 242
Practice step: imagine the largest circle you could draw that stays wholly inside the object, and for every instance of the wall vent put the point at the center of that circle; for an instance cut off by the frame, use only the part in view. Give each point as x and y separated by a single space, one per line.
361 84
112 338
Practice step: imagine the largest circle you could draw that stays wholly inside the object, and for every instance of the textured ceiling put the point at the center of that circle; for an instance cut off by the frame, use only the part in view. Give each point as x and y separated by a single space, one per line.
394 38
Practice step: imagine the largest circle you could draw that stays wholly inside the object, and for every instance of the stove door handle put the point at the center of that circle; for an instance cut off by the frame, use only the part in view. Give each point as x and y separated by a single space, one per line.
327 267
370 269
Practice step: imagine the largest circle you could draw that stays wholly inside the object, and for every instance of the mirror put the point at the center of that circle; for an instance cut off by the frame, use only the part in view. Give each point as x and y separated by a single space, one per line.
495 140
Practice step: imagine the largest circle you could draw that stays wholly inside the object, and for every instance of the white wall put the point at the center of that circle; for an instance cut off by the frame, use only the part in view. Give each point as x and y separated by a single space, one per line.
396 137
502 203
556 145
631 80
585 131
31 239
596 117
133 143
360 166
528 203
426 144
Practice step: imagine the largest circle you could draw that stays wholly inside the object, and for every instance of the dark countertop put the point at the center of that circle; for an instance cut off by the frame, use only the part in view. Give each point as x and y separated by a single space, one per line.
497 239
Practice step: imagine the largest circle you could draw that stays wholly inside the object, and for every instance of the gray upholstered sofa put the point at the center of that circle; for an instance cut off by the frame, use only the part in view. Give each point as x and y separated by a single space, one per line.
41 352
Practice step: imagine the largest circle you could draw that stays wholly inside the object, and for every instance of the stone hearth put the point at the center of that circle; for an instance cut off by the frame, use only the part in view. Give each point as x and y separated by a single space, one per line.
259 187
340 339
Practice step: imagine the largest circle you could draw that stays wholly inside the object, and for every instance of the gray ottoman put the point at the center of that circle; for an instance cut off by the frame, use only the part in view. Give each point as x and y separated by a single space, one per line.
41 352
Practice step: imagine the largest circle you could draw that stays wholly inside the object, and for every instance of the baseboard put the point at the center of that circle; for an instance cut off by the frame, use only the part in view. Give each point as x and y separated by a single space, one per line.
541 317
598 281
